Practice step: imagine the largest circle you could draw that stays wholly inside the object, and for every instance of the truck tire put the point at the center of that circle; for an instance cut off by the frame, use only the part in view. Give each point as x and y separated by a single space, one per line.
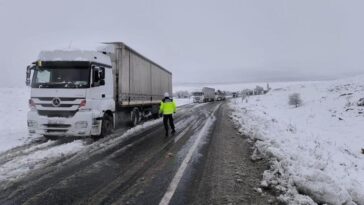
156 115
155 111
106 125
135 117
50 137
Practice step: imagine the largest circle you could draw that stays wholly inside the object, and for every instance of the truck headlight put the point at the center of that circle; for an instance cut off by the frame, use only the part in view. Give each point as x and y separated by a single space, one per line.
81 124
32 123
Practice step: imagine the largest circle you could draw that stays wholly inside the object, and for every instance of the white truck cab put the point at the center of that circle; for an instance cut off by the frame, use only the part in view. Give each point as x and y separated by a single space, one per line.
71 93
198 97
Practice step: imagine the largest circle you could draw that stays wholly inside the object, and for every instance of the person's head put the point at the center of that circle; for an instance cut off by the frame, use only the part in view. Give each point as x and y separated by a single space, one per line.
166 95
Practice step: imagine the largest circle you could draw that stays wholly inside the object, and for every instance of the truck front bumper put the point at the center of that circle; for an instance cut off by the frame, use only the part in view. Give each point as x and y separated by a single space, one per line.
82 124
198 100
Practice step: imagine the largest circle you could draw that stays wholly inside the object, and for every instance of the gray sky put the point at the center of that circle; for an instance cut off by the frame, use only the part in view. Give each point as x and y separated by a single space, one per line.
199 41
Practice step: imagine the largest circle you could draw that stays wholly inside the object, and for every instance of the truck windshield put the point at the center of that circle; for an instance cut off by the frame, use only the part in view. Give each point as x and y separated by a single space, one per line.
65 77
197 93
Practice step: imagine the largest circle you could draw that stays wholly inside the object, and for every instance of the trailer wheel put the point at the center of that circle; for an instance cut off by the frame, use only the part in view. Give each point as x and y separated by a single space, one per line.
106 125
155 115
135 117
50 137
155 112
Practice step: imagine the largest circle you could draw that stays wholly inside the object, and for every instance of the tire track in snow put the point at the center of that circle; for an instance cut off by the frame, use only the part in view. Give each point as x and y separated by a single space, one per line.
26 150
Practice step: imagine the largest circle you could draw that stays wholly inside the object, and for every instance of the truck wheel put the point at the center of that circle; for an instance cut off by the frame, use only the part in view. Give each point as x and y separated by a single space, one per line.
50 137
155 112
155 115
106 126
135 117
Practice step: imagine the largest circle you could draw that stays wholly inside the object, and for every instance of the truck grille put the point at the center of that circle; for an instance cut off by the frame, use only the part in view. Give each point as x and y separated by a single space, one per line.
62 105
51 98
58 113
57 125
67 107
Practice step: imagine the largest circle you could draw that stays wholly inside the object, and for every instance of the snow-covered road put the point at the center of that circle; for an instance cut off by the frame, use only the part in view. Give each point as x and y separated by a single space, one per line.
138 165
39 159
20 154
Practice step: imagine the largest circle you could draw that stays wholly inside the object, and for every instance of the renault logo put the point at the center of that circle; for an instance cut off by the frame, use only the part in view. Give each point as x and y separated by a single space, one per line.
56 102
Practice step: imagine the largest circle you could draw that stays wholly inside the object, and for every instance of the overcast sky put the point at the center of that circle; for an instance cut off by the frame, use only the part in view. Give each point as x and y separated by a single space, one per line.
199 41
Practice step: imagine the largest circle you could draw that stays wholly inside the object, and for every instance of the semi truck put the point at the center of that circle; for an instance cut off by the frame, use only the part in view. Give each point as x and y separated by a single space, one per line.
205 95
220 95
89 93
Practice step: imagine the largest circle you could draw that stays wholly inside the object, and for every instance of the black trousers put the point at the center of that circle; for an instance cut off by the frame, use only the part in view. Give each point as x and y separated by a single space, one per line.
166 119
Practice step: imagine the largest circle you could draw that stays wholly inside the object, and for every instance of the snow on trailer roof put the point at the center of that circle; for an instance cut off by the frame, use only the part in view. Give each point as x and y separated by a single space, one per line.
74 55
109 49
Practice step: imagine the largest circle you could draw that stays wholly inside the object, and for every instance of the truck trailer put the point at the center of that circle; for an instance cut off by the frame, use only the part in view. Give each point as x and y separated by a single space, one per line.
89 93
205 95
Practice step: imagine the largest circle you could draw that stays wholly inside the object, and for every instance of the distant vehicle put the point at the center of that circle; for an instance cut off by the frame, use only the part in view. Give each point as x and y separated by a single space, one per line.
206 95
247 92
87 93
361 102
235 94
219 95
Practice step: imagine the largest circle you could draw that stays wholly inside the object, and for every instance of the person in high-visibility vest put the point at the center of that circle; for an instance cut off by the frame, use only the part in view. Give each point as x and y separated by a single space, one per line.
168 108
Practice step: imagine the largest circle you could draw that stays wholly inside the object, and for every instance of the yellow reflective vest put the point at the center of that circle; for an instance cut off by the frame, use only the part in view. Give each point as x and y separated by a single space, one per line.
167 107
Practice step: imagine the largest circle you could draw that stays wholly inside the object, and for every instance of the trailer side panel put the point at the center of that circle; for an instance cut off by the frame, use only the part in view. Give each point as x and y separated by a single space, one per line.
141 82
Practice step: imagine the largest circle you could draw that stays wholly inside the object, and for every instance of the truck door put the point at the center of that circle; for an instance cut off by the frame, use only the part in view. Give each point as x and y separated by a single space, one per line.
97 93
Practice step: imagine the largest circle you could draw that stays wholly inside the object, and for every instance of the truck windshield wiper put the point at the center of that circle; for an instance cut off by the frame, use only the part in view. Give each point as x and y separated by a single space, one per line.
51 84
70 84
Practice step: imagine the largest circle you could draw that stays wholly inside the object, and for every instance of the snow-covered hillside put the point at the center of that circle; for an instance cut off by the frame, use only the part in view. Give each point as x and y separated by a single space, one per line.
228 87
13 112
315 149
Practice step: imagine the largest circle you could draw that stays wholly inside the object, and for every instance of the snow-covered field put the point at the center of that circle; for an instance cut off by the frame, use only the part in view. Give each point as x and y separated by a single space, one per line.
228 87
13 120
183 101
315 149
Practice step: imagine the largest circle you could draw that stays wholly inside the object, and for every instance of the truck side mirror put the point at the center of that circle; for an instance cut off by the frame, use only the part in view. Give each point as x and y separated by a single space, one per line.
28 74
98 74
102 73
102 76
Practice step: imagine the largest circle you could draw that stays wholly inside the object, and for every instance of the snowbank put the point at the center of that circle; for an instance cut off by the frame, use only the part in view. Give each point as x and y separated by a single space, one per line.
13 120
183 101
315 149
35 158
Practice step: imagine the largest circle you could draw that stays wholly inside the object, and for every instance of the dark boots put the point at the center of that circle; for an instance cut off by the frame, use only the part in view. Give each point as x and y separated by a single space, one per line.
168 119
